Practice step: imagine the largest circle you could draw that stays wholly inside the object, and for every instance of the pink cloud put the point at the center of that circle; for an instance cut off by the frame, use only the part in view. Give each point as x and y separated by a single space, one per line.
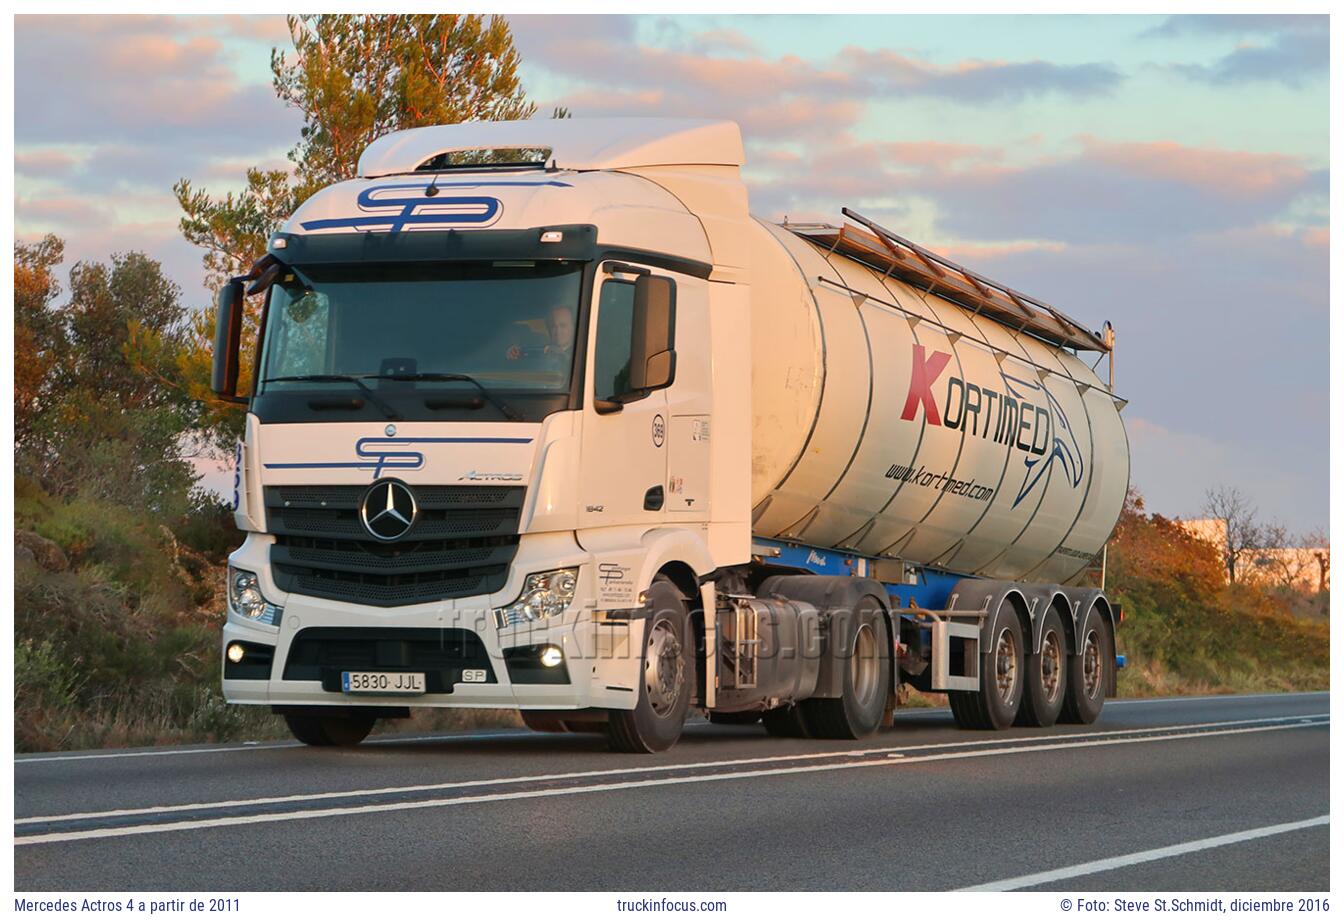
1234 172
58 214
43 163
725 40
1317 237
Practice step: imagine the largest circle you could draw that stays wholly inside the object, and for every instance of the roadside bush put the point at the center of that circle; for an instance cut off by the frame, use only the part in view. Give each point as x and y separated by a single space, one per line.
1187 631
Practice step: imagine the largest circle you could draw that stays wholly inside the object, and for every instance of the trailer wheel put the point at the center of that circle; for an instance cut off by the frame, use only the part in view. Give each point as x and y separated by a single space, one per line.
867 679
667 674
330 731
1046 674
1089 672
786 722
1002 666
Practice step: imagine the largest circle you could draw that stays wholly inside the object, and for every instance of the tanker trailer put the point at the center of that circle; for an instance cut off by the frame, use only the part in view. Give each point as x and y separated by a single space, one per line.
542 418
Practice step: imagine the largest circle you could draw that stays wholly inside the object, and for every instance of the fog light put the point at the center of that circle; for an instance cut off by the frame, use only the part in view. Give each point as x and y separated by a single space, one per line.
235 653
552 656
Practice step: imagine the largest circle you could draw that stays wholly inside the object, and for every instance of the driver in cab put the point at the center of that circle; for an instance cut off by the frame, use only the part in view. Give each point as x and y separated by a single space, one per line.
558 352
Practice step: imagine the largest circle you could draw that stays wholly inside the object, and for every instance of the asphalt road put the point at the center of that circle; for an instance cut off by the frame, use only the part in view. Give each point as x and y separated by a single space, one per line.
1220 793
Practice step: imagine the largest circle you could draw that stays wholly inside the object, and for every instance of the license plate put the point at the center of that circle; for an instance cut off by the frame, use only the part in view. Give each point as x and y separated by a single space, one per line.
382 682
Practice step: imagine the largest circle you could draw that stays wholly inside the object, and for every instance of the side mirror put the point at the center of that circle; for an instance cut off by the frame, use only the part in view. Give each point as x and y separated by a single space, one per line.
228 334
653 356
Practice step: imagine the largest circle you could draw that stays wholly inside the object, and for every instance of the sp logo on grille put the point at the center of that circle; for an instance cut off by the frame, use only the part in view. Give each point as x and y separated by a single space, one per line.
388 510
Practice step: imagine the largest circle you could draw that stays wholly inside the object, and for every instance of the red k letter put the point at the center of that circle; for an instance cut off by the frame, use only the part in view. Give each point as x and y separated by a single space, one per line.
922 377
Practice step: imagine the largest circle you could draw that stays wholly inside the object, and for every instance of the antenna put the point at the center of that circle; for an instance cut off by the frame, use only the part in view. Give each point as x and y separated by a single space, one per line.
432 189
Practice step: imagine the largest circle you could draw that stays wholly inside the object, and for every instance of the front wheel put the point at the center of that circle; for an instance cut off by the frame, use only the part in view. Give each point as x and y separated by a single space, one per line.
330 731
667 674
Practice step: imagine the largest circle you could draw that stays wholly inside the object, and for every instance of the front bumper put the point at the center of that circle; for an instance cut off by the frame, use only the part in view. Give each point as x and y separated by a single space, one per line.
600 667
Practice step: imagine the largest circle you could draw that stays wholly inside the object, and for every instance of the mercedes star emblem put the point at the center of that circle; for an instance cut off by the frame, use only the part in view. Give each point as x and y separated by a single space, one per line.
388 510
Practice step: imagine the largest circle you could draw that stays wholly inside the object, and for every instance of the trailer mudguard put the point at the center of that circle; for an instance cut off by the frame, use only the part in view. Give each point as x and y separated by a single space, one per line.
836 597
1080 601
986 594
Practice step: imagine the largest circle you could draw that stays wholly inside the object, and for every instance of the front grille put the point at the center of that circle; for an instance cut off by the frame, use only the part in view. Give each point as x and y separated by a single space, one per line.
322 653
461 545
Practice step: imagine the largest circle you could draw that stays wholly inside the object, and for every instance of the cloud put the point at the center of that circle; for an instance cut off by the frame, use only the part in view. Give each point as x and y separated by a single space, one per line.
61 214
883 72
111 110
45 163
1120 192
1291 59
1238 24
606 67
95 79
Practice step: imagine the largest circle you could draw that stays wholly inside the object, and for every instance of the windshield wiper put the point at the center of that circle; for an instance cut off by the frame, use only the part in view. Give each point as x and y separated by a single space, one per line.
358 381
494 400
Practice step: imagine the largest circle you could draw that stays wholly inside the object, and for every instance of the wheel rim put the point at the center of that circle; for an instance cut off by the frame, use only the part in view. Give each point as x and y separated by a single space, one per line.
1005 664
864 672
664 669
1091 665
1052 665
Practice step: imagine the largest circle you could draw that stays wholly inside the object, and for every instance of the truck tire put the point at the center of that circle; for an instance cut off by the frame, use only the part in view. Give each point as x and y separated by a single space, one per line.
1002 665
786 722
1089 672
330 731
667 676
866 681
1046 676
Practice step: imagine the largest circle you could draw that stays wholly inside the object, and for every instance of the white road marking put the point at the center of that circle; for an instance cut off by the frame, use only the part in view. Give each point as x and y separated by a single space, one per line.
505 733
1217 698
238 820
1143 856
659 768
261 746
174 752
1144 701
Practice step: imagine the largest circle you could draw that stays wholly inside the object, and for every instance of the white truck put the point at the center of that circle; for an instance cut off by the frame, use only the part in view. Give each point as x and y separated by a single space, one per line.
542 418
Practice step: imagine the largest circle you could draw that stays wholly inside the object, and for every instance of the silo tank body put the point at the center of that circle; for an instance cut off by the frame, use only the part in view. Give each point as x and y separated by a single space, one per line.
896 423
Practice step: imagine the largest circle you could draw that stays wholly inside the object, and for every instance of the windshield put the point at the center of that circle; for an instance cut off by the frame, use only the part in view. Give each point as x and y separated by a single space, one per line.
508 325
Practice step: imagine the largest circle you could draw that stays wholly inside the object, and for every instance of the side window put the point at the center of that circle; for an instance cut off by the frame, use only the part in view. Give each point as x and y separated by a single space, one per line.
611 361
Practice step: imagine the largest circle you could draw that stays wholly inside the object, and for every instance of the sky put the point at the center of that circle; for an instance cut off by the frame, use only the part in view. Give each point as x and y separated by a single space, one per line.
1169 174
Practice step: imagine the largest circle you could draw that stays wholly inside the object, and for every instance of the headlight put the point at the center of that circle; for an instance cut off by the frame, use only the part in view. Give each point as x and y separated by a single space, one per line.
246 599
544 594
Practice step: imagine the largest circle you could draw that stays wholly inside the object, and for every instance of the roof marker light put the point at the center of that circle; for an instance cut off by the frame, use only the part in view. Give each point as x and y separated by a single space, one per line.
551 236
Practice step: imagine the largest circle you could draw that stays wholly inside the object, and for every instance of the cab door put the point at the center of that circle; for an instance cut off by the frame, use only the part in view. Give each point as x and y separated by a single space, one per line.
624 453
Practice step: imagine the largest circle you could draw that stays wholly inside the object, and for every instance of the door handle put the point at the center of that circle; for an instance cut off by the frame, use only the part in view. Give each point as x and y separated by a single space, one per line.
653 499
